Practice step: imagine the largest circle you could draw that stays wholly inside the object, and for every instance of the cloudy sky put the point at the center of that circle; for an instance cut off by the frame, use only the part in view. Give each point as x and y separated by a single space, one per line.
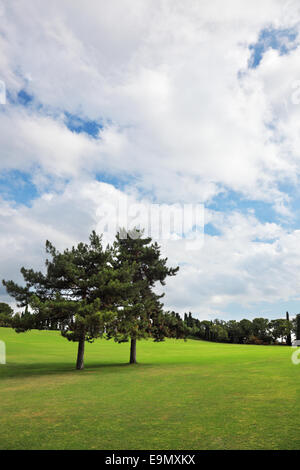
157 102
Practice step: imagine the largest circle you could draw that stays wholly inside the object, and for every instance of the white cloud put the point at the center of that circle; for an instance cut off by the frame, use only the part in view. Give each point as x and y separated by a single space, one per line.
165 80
182 115
248 262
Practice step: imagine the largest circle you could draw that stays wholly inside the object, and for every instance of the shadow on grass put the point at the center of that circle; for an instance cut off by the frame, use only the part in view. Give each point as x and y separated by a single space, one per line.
14 370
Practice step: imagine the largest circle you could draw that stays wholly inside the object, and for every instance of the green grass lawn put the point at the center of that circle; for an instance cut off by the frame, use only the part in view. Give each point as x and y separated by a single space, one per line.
181 395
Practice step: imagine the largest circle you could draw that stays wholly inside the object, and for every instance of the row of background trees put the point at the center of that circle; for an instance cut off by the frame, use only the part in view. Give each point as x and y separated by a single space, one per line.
256 331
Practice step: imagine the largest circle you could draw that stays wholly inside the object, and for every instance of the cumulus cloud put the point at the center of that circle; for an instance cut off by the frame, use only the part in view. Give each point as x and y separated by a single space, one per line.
183 116
165 79
249 261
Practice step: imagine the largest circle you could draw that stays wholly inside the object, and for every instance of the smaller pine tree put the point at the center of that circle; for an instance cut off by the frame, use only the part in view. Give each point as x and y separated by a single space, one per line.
81 291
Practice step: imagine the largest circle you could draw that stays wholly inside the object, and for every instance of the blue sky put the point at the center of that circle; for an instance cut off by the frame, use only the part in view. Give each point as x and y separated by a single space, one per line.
186 107
16 186
282 40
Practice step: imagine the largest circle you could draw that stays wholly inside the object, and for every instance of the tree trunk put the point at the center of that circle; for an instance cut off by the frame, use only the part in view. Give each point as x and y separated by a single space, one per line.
289 336
80 355
133 351
298 327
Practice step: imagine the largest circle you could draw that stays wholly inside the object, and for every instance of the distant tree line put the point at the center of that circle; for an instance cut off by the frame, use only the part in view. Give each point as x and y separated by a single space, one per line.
256 331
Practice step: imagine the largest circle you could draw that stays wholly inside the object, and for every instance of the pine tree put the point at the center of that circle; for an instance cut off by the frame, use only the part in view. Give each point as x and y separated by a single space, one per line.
81 292
143 315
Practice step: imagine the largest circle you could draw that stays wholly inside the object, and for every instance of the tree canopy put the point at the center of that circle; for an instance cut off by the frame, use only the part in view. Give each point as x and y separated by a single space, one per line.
143 315
89 291
80 292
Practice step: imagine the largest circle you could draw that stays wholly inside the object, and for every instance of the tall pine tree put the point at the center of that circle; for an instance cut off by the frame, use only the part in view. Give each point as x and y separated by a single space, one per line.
143 315
81 292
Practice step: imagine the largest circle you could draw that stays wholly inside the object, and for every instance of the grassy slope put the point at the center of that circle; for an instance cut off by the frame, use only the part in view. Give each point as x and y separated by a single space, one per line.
192 395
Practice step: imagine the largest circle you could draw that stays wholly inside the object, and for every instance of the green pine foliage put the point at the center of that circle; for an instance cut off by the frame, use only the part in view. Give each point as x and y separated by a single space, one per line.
79 293
143 315
89 291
